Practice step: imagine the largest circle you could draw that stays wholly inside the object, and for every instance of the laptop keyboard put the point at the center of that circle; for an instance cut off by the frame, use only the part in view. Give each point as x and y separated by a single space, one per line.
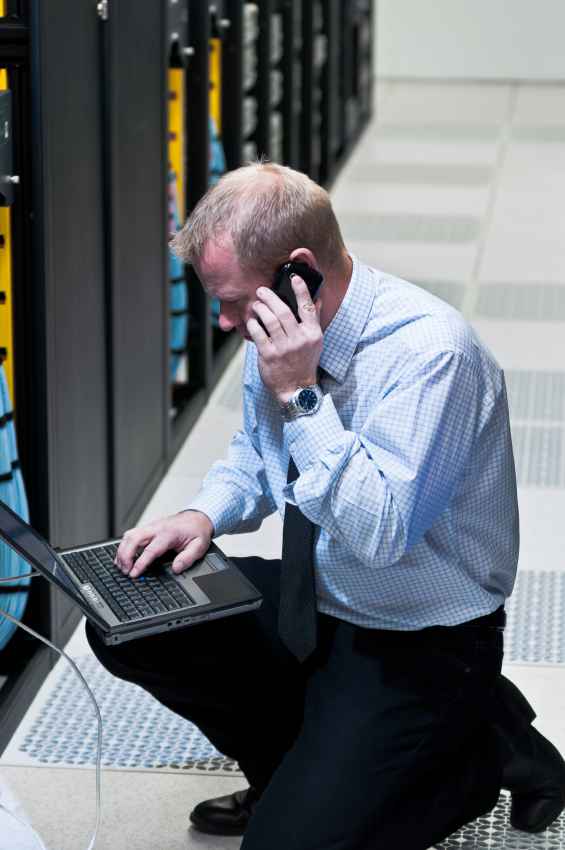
153 593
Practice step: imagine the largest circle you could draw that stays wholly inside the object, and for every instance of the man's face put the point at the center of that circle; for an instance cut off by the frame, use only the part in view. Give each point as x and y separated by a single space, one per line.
221 277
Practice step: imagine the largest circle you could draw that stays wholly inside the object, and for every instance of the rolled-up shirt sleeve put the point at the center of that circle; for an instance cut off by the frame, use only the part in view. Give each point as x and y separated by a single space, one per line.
380 490
235 493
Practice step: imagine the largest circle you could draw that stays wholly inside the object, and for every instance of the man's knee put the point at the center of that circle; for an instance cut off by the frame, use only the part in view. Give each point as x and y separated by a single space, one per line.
113 658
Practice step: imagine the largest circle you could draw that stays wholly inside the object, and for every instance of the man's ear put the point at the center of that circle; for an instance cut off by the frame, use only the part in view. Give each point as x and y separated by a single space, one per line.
304 255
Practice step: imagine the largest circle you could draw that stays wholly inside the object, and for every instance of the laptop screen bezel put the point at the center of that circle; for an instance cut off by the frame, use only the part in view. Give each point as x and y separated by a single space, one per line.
70 589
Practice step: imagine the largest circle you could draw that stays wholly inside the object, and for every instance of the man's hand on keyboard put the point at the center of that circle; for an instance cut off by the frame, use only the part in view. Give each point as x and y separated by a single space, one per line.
189 533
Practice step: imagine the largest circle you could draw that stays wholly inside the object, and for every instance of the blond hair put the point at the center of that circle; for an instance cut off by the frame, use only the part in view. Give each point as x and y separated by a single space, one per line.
267 210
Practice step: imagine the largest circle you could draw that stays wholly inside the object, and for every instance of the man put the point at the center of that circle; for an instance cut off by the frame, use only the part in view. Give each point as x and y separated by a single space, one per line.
380 719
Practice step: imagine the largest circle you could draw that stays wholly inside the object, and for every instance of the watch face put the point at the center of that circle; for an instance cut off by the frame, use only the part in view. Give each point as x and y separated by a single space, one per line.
307 399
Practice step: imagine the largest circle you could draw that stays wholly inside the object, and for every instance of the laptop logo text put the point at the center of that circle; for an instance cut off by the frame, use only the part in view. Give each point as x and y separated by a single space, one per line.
89 591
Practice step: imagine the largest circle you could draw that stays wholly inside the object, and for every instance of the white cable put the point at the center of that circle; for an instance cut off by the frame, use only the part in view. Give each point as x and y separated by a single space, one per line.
17 578
91 695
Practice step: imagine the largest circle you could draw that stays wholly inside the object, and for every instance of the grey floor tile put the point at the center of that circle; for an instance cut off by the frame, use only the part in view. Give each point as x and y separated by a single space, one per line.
431 262
539 455
537 169
540 105
173 495
141 811
542 529
449 291
535 395
407 227
442 152
438 132
524 239
524 345
415 174
533 302
544 134
464 103
354 198
428 130
522 252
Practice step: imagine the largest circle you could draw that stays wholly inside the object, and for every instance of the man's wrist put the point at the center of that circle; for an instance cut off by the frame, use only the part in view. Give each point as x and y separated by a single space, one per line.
202 514
285 397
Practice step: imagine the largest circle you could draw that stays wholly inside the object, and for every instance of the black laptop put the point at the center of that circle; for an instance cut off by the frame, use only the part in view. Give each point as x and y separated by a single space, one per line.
123 608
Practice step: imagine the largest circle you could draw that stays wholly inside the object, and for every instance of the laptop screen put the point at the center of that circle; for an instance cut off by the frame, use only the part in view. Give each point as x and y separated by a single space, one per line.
32 547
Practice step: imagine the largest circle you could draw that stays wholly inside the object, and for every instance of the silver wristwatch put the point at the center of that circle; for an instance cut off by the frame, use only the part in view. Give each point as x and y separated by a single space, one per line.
304 402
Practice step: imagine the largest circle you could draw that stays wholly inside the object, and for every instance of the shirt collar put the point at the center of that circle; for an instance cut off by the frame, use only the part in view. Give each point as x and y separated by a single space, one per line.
342 335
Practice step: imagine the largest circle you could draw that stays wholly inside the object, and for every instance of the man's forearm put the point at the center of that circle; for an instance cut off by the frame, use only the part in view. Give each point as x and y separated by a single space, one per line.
235 494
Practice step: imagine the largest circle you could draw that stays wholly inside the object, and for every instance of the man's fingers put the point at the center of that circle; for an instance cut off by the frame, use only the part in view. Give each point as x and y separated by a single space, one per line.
192 552
134 539
307 308
158 546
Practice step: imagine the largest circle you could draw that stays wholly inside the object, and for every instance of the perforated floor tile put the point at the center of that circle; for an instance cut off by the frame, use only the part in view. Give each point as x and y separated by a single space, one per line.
452 293
545 133
439 132
138 731
539 455
422 174
529 302
536 394
493 832
411 228
535 629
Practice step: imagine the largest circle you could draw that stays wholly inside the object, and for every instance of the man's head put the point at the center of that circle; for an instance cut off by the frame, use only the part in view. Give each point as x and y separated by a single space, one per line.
252 221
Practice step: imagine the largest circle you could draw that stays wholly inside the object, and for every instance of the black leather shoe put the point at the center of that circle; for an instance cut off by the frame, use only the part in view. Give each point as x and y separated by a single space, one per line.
227 815
535 776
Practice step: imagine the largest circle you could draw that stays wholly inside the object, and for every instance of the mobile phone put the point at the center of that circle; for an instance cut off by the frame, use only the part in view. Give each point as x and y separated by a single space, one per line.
283 287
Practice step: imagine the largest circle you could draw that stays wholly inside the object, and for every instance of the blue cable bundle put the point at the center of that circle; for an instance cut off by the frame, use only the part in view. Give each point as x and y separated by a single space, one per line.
217 168
178 288
217 157
12 493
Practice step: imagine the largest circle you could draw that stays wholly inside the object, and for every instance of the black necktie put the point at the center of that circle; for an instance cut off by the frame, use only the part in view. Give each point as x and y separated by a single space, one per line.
297 609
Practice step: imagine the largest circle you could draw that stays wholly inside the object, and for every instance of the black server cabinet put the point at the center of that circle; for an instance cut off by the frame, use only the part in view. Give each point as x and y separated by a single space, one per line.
135 50
292 81
24 662
92 305
263 83
232 84
356 69
330 126
315 55
70 417
209 350
59 313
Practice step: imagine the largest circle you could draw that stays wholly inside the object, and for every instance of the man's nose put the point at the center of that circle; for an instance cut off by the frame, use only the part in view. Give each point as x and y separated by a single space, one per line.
224 322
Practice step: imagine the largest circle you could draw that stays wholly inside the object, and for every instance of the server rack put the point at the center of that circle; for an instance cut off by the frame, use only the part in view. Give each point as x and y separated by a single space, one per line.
292 81
208 350
238 77
50 250
98 417
330 81
356 70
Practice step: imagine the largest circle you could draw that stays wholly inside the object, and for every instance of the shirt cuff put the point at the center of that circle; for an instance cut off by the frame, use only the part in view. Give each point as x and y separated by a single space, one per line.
310 438
223 513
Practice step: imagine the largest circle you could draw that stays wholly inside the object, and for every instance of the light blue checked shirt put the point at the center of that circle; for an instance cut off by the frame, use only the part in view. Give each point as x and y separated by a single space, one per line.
407 468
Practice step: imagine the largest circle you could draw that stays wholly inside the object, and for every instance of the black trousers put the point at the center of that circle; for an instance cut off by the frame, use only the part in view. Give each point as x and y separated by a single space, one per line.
381 739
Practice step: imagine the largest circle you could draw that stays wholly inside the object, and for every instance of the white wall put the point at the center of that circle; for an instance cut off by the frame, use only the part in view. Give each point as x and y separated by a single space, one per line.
473 39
